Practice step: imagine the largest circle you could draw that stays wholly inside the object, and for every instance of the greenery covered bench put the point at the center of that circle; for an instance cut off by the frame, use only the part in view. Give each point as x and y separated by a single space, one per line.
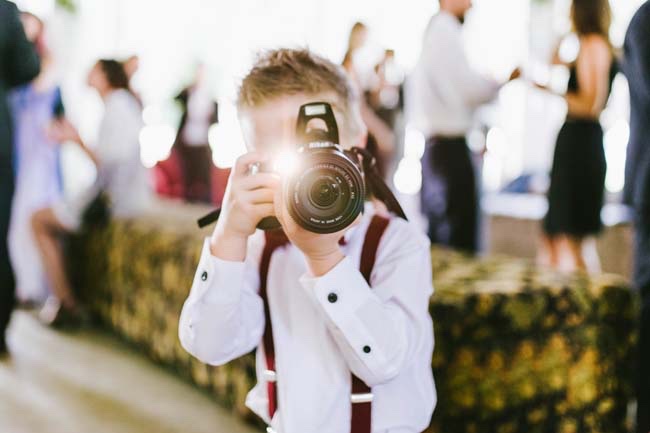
518 349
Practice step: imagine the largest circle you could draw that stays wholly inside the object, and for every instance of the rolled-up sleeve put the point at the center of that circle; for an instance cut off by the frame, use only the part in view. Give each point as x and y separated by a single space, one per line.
378 329
223 316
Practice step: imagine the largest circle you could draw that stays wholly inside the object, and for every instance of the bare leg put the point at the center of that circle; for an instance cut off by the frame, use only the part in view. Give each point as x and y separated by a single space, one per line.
548 255
47 230
574 250
590 254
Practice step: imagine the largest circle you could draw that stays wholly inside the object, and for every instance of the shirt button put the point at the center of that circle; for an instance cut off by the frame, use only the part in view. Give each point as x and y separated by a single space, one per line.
366 349
332 298
204 276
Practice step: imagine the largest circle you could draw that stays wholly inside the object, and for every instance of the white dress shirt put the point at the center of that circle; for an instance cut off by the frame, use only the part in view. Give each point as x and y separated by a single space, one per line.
317 341
443 89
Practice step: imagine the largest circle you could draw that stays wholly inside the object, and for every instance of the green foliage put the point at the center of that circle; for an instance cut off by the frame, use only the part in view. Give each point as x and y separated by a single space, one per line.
517 349
68 5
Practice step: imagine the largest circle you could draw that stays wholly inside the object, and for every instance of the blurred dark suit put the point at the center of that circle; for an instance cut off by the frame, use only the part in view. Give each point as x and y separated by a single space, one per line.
19 64
637 188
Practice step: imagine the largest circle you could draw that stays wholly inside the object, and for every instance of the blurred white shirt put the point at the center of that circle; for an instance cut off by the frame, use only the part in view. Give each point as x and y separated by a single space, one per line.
318 342
121 173
443 90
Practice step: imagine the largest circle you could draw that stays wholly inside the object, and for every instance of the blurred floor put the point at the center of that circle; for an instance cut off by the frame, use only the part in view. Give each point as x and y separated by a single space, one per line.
90 382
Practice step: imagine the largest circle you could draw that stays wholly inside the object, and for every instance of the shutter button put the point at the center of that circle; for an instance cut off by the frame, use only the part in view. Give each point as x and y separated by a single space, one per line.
332 297
204 276
366 349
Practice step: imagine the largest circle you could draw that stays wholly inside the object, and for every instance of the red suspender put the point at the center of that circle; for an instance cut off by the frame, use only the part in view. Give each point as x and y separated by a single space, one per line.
274 239
361 411
371 242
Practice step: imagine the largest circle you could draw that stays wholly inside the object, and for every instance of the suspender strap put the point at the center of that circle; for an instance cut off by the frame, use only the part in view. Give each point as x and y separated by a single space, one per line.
274 240
375 231
361 411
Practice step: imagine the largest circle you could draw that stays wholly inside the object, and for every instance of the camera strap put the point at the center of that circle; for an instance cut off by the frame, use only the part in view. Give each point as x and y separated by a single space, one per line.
376 184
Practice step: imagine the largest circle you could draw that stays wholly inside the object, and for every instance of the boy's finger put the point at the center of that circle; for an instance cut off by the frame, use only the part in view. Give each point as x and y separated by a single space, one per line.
265 210
259 196
259 180
243 162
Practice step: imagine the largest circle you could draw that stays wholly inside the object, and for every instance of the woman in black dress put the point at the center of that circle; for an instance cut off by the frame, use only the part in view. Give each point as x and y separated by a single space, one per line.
576 192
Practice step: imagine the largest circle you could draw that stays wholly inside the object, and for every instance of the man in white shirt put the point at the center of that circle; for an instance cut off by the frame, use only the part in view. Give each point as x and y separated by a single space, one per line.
443 94
329 319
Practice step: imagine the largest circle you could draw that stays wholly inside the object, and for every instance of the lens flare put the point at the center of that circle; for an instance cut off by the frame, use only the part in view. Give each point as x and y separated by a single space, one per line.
285 163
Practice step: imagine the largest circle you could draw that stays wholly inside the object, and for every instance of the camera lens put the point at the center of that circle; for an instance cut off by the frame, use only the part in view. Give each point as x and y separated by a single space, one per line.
324 192
328 194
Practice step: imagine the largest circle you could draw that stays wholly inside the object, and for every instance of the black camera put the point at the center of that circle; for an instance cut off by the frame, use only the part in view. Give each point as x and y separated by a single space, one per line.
325 190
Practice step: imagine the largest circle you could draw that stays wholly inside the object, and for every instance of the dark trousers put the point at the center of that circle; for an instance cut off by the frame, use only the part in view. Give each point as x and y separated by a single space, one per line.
642 282
448 197
7 283
197 165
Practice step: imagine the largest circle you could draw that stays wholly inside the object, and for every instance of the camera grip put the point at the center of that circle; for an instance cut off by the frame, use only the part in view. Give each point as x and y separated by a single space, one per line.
269 223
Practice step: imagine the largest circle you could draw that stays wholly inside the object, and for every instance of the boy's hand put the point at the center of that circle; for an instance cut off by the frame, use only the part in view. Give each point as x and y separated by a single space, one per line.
321 251
248 199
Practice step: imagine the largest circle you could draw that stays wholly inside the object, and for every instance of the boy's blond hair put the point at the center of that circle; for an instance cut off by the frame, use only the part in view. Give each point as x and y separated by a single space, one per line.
285 72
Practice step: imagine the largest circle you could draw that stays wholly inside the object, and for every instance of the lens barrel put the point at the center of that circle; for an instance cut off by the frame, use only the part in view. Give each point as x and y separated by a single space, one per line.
328 193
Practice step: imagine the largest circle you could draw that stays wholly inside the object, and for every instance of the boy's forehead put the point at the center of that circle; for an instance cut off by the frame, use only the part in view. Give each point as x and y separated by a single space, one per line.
274 122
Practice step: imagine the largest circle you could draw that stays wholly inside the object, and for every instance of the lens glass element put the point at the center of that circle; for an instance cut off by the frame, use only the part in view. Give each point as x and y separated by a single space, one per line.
324 192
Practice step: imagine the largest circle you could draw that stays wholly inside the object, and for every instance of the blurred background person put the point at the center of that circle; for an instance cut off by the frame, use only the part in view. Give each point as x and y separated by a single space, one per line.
121 184
385 96
359 65
20 64
200 111
131 65
386 99
355 60
189 172
37 170
637 190
444 93
577 188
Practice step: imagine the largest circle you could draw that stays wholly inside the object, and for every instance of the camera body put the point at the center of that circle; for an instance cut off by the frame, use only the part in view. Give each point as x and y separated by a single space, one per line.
326 188
325 192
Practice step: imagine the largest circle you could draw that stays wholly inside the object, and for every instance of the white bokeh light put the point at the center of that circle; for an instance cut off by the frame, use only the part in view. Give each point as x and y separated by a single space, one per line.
408 177
615 141
151 114
496 141
225 138
156 142
413 142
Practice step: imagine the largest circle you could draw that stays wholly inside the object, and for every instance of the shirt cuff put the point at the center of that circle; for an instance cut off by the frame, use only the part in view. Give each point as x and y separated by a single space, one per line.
344 296
341 291
217 281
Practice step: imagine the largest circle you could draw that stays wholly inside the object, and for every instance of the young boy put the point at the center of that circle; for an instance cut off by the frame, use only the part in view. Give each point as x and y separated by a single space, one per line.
347 351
